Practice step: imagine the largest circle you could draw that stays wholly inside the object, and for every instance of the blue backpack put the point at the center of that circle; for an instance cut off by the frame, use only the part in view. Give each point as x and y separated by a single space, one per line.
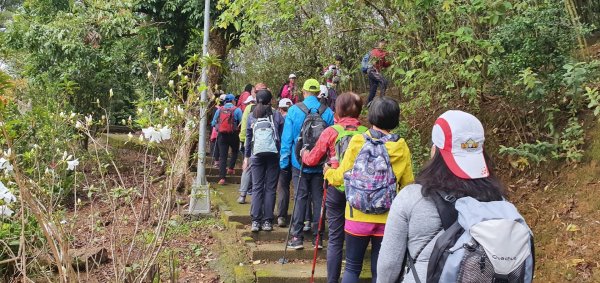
264 137
371 184
365 64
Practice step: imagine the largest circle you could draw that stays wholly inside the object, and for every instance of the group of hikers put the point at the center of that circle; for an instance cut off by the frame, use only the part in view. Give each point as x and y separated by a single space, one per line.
450 223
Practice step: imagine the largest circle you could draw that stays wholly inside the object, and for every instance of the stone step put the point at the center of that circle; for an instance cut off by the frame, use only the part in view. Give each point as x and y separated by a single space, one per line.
214 179
274 251
277 235
299 272
212 171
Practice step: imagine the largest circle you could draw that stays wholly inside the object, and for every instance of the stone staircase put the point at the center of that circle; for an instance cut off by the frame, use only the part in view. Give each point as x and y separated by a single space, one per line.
266 248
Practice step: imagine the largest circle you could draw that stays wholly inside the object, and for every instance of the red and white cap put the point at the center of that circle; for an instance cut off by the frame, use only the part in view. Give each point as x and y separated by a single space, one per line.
460 137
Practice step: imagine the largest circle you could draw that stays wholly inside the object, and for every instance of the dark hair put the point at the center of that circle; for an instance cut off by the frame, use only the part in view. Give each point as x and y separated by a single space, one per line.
248 88
436 176
348 104
263 104
339 58
384 113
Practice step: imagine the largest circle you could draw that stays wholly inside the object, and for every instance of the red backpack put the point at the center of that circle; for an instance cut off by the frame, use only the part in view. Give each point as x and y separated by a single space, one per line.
226 123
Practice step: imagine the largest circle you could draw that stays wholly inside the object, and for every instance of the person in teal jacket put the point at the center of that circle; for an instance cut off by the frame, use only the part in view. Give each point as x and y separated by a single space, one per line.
312 177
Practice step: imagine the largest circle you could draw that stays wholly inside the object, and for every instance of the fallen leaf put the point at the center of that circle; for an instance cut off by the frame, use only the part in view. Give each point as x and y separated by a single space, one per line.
572 228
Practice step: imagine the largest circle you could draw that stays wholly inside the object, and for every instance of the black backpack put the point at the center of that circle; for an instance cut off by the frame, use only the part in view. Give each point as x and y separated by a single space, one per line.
312 127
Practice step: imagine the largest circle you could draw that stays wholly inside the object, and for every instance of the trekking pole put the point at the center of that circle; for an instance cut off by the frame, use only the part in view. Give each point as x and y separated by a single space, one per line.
283 260
314 263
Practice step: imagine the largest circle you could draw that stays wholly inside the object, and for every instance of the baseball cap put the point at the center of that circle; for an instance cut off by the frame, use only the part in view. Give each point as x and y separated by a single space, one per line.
229 97
222 97
311 85
292 76
285 103
249 100
460 136
323 91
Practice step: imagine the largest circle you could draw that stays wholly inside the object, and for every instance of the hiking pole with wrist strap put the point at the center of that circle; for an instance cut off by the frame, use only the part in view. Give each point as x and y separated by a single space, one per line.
283 260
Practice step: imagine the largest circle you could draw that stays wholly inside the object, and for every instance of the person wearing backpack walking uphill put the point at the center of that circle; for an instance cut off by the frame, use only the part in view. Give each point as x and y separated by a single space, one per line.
454 224
373 64
374 164
246 180
304 124
262 150
333 144
227 120
285 177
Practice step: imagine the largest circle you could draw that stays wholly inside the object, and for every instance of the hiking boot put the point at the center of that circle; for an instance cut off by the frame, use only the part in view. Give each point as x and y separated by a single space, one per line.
222 182
295 244
267 226
306 227
255 226
320 247
281 222
230 171
241 199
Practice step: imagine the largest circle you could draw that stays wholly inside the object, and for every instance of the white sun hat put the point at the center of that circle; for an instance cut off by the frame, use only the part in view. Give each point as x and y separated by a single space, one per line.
460 137
285 102
292 76
250 99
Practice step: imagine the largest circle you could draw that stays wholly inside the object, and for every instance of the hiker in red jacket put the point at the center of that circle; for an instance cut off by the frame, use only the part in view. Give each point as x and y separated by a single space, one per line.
247 92
348 108
376 78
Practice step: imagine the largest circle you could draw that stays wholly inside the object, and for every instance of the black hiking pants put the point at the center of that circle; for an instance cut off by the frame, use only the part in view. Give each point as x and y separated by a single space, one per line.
226 142
376 80
309 182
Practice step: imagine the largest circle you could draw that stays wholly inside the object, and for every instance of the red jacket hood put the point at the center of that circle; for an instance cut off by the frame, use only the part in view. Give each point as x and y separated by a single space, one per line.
347 121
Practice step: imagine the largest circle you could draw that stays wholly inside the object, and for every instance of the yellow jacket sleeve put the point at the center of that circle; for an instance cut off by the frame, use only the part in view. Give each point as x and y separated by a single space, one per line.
244 123
407 176
335 177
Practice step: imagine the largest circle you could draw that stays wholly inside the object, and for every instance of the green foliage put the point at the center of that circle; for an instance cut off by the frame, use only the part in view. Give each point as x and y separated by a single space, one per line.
76 53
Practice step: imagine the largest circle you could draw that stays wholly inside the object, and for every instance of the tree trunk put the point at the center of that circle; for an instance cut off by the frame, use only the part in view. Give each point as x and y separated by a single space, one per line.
218 46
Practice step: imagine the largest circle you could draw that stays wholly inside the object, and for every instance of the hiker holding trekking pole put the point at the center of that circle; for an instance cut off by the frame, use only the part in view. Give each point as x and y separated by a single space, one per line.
332 144
374 164
303 125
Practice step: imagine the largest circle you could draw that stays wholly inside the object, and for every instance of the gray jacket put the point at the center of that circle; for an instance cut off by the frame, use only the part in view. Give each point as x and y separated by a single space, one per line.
413 221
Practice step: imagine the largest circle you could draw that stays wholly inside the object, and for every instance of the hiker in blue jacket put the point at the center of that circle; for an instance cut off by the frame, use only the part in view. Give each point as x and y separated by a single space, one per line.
312 177
227 125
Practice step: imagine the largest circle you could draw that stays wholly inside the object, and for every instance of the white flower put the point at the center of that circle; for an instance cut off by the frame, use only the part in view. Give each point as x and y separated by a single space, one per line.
78 125
139 110
166 112
64 156
160 161
110 93
63 222
61 114
179 109
157 136
149 74
88 120
5 165
6 195
171 83
72 115
72 164
5 211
